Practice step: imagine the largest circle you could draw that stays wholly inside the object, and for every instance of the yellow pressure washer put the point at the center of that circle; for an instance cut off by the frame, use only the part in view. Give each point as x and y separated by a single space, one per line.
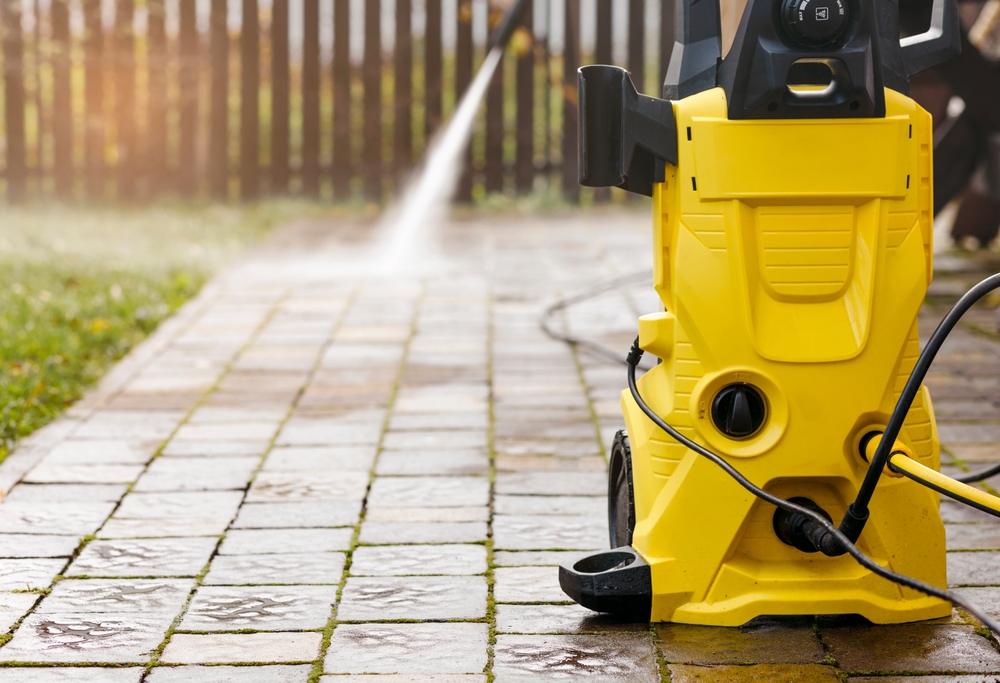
792 210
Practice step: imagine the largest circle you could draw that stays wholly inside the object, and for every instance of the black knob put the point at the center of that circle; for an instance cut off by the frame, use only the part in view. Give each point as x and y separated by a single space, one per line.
738 410
815 23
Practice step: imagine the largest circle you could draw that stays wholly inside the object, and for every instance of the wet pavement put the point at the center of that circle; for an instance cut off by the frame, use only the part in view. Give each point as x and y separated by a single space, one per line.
306 475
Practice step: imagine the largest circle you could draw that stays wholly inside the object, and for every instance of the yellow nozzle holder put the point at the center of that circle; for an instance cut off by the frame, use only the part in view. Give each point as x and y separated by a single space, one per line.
899 447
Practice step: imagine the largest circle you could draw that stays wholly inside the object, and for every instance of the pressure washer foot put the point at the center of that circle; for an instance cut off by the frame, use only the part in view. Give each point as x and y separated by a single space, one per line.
616 581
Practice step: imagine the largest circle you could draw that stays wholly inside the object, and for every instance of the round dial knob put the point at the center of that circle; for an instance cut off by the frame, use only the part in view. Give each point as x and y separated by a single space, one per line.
815 23
738 410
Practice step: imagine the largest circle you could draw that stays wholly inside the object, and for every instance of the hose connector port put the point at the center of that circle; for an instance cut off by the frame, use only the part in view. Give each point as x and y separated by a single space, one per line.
869 444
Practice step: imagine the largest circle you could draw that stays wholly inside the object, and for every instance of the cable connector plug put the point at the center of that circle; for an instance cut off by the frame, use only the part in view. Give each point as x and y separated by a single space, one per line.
634 354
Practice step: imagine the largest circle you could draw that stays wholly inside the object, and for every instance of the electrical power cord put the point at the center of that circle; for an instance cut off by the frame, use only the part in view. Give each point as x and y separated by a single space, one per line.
973 477
635 354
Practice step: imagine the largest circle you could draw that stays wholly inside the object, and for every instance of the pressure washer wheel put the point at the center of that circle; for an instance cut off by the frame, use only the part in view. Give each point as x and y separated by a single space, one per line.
621 499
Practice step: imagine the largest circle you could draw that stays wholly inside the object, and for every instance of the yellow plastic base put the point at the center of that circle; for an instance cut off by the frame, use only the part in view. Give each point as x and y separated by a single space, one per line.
792 256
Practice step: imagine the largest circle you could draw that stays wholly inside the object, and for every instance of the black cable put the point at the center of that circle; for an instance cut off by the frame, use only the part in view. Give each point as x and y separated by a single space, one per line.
636 353
545 320
973 477
857 512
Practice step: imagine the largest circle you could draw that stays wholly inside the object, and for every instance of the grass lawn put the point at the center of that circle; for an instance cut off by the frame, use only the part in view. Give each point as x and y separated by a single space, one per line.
80 287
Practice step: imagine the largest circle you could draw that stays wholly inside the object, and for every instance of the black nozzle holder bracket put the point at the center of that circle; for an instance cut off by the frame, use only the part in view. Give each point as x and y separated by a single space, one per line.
626 139
615 581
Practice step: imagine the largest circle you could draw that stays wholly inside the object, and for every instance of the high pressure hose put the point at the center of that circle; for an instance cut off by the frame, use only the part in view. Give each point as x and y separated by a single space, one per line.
635 354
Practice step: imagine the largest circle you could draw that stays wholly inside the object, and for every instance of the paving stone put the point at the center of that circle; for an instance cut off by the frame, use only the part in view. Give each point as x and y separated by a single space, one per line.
413 597
72 519
527 584
973 569
13 606
262 608
765 673
620 657
976 453
404 648
320 458
511 532
960 678
265 541
965 432
163 527
203 474
437 514
63 493
277 673
401 422
29 573
210 414
435 440
180 505
763 641
910 647
389 533
972 536
227 431
559 619
986 597
283 569
310 513
306 432
211 449
429 492
211 648
145 557
98 451
430 463
85 637
543 483
74 674
580 506
414 560
527 558
163 598
58 473
405 678
291 486
957 513
31 545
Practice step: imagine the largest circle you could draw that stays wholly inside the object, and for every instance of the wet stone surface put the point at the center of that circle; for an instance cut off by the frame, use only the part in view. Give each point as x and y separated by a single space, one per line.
144 557
559 657
413 597
263 608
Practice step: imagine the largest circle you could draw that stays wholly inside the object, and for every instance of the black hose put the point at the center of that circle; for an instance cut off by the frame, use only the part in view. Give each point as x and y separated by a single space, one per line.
973 477
857 512
633 358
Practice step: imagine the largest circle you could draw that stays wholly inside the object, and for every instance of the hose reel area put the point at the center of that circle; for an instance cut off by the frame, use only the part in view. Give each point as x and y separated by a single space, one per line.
791 188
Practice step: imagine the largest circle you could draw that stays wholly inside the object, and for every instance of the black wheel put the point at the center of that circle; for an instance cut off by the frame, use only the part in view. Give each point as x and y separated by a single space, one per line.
621 499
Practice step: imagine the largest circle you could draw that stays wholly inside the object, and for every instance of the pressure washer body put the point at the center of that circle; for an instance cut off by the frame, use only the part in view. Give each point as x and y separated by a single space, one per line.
792 228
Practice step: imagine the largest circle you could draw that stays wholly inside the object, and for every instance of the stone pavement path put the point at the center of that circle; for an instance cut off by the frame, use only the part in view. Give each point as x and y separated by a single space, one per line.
305 475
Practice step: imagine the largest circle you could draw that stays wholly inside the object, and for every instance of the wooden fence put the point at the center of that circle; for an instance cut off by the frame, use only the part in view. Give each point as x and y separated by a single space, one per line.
175 97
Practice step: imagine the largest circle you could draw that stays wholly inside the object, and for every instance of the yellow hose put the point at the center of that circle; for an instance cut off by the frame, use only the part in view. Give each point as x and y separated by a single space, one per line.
941 483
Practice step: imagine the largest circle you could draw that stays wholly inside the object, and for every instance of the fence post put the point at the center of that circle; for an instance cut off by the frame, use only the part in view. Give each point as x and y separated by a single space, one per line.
310 99
218 126
189 76
463 77
571 60
602 55
432 70
62 99
156 139
524 163
280 91
372 76
125 98
402 153
13 77
341 100
666 40
494 116
636 43
39 111
249 105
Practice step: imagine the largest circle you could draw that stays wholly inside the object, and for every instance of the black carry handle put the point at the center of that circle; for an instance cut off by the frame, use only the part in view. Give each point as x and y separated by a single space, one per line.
625 138
941 42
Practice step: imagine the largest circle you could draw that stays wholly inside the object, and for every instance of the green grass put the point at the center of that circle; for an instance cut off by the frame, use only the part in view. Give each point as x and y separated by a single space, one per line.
79 288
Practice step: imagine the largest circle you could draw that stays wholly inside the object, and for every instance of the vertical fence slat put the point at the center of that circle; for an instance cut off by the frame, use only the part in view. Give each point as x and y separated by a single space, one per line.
372 77
571 60
636 43
13 68
524 163
547 83
494 119
249 104
310 100
432 69
125 98
93 48
189 77
666 40
62 111
402 154
463 77
280 91
218 126
39 110
602 55
156 137
341 100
